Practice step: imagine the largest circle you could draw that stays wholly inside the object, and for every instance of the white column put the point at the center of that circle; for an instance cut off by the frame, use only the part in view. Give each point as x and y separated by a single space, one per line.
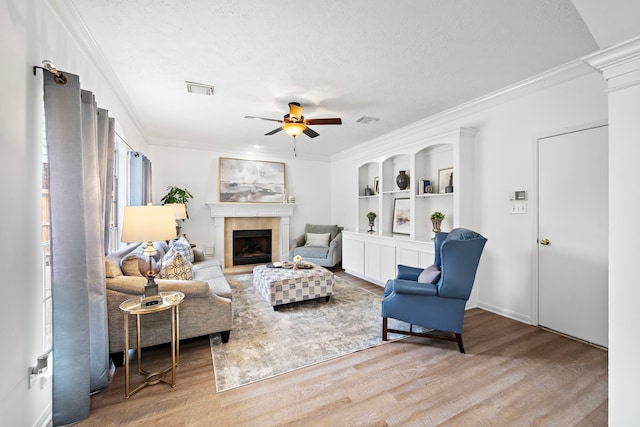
219 238
620 66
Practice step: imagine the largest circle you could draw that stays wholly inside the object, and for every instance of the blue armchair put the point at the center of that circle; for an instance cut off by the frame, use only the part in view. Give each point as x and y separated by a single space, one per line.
435 299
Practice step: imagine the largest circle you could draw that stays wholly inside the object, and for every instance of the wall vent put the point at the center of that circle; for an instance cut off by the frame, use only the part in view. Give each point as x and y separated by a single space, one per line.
199 88
365 120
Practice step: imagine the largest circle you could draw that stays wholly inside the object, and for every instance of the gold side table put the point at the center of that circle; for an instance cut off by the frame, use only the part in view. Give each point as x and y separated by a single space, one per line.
170 301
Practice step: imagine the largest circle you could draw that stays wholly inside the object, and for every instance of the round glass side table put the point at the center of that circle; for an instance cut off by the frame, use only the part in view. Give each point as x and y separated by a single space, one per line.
132 306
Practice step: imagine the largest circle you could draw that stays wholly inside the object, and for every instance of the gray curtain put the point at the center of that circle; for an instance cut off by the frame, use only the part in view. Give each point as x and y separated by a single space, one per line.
139 179
76 189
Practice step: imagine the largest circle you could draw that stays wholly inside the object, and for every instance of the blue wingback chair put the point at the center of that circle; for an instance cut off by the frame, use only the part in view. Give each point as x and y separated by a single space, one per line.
436 302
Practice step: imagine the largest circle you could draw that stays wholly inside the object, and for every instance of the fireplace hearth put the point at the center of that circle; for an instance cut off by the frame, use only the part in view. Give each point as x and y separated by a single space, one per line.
251 246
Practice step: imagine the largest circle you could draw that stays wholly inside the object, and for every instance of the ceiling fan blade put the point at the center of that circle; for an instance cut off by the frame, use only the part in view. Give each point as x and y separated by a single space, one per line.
334 121
263 118
276 130
310 132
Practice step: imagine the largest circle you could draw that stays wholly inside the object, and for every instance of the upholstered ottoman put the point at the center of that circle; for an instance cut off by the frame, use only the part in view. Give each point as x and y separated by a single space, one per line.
285 285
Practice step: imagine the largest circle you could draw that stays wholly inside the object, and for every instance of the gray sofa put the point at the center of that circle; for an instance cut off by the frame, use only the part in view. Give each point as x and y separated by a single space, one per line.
326 256
206 308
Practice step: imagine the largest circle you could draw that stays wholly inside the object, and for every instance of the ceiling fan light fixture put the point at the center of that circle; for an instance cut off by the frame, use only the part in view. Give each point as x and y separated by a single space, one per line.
294 129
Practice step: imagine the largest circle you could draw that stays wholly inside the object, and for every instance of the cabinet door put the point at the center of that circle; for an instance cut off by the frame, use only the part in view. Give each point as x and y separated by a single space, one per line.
380 262
353 255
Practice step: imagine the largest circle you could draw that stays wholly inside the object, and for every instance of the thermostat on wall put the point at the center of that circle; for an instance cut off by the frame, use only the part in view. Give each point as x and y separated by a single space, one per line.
518 195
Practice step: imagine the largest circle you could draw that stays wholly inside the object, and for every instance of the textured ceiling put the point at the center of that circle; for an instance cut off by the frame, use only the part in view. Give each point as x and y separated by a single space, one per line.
399 61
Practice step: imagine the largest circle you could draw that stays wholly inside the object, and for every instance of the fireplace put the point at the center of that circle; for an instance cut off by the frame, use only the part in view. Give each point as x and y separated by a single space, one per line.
251 246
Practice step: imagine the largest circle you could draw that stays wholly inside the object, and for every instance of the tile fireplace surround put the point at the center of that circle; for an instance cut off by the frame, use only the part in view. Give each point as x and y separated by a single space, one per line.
249 216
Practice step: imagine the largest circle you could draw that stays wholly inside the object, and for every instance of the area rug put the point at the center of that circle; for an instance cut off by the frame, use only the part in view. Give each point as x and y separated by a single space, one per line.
265 342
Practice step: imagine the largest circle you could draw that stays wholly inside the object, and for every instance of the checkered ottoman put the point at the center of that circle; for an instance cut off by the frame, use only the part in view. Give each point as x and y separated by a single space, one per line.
281 285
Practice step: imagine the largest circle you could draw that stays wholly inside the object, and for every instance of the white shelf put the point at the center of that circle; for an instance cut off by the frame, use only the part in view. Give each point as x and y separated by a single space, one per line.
422 196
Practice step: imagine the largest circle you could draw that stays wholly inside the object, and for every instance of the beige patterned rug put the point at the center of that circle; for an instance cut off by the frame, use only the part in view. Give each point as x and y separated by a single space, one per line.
265 342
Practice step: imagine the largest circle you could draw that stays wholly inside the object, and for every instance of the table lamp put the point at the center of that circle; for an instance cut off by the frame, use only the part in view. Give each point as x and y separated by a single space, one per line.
179 213
148 224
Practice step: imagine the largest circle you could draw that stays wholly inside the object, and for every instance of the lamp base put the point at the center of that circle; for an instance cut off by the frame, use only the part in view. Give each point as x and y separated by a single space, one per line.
151 295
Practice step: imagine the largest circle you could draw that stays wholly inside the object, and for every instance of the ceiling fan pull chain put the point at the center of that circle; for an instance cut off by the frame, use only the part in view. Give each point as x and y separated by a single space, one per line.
295 153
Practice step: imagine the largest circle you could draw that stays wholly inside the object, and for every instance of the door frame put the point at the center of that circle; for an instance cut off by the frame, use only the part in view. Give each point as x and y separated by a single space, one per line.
536 202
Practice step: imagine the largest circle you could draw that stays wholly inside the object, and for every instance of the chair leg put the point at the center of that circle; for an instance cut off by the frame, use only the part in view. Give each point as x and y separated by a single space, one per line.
459 340
384 329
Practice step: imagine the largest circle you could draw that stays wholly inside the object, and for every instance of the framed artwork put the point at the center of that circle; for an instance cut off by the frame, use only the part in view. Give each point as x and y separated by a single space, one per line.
444 177
251 181
376 184
401 216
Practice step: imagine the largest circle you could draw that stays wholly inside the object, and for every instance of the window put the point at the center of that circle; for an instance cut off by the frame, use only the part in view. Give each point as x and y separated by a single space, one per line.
46 247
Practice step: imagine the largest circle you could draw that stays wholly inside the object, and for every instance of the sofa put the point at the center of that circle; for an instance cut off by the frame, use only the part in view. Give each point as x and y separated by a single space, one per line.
206 308
320 244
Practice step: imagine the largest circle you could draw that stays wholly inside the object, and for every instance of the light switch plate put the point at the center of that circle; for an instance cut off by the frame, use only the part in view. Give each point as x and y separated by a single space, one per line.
519 208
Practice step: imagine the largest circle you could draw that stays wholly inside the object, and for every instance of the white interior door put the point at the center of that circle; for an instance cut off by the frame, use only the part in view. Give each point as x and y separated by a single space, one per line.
573 234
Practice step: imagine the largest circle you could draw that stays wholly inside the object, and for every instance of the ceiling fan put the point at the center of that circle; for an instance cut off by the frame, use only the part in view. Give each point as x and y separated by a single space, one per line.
294 123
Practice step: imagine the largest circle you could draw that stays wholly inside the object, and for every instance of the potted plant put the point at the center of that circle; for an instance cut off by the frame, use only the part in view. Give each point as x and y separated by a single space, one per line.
371 216
436 221
177 195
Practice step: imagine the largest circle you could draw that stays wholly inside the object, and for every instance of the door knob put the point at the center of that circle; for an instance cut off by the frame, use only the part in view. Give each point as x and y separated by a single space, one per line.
545 242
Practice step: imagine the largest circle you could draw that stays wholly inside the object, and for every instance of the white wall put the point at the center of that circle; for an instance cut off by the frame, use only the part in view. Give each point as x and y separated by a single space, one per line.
505 160
31 32
197 170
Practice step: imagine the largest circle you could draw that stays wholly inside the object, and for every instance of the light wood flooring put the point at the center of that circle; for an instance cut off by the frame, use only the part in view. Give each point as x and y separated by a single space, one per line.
512 375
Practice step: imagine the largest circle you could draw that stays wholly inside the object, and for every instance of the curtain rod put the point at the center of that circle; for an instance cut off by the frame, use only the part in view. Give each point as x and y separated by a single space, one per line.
62 79
48 66
135 152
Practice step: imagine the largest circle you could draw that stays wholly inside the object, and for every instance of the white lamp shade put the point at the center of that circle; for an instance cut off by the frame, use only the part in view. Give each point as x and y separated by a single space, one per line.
148 224
179 210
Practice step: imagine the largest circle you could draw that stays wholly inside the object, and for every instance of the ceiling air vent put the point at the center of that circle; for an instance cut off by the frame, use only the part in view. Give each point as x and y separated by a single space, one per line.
199 88
365 120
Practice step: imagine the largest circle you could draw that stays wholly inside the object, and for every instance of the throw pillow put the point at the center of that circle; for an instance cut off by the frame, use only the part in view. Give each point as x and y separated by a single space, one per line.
313 239
175 267
430 274
111 267
129 264
183 246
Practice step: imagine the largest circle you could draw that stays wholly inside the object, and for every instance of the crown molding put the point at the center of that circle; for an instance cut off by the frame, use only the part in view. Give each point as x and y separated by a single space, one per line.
71 20
619 64
426 127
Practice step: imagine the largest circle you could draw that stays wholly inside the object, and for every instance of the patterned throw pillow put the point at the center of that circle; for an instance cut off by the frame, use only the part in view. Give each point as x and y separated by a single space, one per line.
175 267
183 246
317 239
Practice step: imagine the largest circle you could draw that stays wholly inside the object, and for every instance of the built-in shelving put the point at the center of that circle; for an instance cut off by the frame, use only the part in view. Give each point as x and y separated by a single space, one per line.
422 160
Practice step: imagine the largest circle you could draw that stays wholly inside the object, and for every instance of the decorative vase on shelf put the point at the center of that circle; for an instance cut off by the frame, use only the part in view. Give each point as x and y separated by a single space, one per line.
402 180
371 216
449 188
436 222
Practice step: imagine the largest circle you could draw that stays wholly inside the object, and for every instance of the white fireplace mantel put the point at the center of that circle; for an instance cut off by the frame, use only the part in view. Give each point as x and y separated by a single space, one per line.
220 211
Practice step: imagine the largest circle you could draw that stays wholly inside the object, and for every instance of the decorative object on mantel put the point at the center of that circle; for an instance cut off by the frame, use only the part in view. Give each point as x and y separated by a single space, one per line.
436 221
427 188
371 216
402 180
445 180
251 181
291 199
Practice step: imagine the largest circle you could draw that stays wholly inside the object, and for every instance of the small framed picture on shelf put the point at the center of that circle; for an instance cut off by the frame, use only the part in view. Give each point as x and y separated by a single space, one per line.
445 180
401 216
376 185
